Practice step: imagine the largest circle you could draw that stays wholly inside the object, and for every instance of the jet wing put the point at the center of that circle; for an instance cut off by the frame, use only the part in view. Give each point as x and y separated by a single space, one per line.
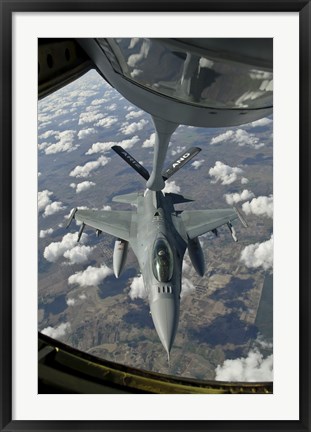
198 222
116 223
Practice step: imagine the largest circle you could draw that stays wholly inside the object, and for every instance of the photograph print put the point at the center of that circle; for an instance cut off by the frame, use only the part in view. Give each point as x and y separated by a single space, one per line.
155 213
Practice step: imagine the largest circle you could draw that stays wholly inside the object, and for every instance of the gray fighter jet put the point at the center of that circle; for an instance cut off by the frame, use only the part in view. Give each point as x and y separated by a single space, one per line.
159 236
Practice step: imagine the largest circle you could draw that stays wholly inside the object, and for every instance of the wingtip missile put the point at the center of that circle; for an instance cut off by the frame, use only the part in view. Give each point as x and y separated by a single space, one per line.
71 216
239 214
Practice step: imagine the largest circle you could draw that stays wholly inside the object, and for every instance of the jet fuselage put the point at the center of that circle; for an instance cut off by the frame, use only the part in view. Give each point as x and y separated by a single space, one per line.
159 247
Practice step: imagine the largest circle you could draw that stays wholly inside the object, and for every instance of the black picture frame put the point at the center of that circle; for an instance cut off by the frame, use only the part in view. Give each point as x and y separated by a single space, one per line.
7 9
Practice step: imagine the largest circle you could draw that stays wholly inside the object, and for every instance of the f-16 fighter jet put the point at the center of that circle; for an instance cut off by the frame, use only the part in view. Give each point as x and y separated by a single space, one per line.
159 236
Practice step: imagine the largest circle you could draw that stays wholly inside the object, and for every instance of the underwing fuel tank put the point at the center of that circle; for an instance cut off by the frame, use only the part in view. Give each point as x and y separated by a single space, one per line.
119 256
196 255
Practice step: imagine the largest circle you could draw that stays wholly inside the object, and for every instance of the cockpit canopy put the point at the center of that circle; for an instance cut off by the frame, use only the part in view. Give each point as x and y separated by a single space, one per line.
162 260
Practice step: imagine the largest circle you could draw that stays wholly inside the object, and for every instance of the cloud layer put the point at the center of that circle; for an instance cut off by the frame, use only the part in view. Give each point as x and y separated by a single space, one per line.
85 170
92 276
258 255
250 369
56 332
45 203
239 136
137 288
65 143
225 173
171 187
68 248
131 128
83 186
260 206
234 198
101 147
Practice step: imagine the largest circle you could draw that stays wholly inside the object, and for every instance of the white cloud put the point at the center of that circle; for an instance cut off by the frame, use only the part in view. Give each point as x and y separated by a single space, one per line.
234 198
187 287
137 288
101 147
83 186
112 107
70 302
250 369
263 343
99 101
55 250
90 117
244 180
171 187
46 233
149 142
85 170
43 145
82 296
240 137
131 128
44 199
86 132
243 138
258 255
92 276
260 206
197 164
78 255
65 143
134 114
222 137
178 150
106 208
56 332
48 134
225 173
261 122
107 122
53 208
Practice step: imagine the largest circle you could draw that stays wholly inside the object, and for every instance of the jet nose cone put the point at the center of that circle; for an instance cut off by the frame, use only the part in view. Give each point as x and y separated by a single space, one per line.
165 315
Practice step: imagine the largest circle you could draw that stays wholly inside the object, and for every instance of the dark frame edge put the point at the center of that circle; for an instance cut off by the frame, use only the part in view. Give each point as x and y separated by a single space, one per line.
304 211
6 10
6 217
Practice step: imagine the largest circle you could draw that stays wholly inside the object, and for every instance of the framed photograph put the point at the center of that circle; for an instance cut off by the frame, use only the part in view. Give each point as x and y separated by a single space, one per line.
130 299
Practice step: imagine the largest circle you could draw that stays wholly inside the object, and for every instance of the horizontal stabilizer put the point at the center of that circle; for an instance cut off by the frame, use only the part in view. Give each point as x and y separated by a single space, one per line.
180 162
130 198
178 199
131 161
